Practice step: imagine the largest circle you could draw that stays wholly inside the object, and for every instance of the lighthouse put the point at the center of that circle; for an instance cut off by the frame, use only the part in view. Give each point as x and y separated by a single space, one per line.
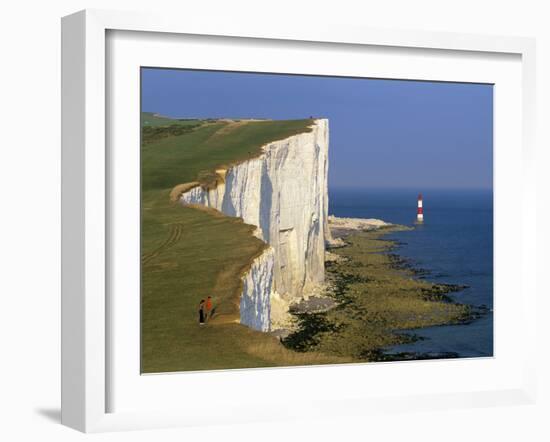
419 211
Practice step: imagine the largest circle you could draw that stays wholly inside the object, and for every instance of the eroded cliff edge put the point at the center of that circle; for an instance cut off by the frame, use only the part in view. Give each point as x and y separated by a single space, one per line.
284 193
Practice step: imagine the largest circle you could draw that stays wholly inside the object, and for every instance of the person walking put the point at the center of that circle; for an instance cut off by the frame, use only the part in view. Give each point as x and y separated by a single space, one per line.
201 312
208 308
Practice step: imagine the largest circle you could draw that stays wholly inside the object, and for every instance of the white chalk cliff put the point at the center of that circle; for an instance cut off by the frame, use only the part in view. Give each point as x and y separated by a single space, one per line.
284 193
255 305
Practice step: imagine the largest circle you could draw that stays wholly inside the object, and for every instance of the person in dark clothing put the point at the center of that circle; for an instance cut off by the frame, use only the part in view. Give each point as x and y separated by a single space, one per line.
201 312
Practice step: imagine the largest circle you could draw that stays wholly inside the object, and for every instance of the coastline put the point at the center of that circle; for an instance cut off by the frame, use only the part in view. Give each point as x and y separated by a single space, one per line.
376 298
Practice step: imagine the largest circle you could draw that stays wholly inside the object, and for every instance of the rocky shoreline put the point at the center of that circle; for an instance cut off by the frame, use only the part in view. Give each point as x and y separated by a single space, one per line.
374 298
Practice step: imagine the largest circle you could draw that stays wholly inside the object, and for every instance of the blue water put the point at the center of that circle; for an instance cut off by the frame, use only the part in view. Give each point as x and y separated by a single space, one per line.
454 244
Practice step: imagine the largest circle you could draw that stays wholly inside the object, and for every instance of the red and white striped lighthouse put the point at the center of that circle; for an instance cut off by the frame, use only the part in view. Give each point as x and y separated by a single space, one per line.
420 211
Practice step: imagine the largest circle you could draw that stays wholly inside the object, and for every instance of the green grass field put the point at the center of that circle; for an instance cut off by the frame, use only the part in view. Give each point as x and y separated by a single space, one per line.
190 253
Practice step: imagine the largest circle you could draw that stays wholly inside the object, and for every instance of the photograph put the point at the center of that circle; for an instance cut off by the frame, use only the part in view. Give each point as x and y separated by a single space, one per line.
304 220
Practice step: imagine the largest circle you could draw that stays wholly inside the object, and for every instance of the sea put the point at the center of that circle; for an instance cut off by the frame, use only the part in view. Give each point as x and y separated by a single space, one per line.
454 245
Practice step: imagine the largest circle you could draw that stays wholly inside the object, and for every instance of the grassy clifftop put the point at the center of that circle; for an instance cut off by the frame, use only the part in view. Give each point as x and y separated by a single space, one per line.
178 155
189 253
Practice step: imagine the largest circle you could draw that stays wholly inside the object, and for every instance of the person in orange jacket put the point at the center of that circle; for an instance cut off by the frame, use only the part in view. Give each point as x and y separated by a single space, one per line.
208 307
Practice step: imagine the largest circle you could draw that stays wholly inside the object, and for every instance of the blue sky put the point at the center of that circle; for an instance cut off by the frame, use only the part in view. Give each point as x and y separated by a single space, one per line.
383 133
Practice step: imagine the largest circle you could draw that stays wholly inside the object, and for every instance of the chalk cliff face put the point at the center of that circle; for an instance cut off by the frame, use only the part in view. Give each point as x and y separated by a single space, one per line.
284 193
255 306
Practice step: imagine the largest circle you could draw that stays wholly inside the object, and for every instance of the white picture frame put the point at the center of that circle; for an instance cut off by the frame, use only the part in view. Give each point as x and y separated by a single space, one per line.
85 309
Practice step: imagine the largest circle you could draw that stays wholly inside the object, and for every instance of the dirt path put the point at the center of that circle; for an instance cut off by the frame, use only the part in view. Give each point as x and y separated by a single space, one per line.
228 128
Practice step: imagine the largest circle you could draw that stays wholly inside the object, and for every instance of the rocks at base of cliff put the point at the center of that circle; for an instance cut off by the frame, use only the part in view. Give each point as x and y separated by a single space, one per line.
334 257
284 310
314 304
336 222
341 227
